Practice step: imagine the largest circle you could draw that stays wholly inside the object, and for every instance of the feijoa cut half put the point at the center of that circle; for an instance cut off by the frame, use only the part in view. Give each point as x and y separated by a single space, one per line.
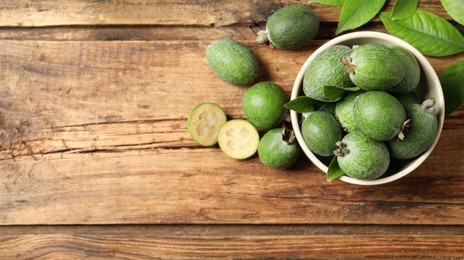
232 62
204 123
238 139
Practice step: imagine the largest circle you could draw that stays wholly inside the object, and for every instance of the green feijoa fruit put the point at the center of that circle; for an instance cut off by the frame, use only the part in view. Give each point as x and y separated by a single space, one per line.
344 111
329 107
290 27
278 148
411 72
362 157
238 139
204 123
408 99
373 66
263 105
326 70
419 132
321 131
232 62
379 115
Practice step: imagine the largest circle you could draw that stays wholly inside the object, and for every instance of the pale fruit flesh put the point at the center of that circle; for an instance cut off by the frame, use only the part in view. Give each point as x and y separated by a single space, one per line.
204 123
238 139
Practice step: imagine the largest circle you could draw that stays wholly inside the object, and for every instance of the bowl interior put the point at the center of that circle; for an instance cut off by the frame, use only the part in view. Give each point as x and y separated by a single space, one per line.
428 87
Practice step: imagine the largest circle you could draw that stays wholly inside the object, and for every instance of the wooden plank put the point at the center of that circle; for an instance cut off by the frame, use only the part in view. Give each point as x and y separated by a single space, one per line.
235 230
95 132
128 33
186 242
151 33
78 95
19 13
52 84
128 12
308 247
203 186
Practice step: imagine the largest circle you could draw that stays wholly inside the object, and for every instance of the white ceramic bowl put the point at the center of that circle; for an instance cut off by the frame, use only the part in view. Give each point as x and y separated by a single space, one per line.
430 87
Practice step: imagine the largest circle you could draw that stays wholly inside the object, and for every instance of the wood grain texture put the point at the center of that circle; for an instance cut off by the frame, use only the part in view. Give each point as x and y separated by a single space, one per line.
134 12
231 241
27 13
93 246
96 161
163 187
94 132
131 33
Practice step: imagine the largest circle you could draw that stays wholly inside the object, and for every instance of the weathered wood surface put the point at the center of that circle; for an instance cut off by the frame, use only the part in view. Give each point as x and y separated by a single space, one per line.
244 247
104 123
93 108
244 242
167 12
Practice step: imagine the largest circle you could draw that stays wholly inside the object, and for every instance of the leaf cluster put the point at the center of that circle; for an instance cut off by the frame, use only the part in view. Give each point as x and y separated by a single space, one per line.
429 33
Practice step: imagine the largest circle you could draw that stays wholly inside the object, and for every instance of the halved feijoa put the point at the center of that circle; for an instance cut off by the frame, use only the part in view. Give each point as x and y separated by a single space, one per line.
232 62
204 123
238 139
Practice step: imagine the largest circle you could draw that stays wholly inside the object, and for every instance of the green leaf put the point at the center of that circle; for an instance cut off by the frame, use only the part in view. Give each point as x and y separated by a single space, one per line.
455 8
357 12
333 93
429 33
404 9
334 171
452 82
328 2
350 88
302 104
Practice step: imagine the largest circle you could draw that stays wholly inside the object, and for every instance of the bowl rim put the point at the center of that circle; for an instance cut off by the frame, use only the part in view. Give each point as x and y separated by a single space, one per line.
392 41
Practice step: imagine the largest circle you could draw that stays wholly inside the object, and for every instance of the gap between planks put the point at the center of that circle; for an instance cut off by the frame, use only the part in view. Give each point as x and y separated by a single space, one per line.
237 230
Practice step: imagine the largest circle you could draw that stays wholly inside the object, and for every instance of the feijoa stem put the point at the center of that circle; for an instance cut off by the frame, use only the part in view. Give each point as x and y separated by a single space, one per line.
263 37
429 106
406 125
288 135
341 149
346 61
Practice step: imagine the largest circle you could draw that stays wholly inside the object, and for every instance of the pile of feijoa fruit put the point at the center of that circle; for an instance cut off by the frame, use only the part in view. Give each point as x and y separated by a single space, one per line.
377 118
266 129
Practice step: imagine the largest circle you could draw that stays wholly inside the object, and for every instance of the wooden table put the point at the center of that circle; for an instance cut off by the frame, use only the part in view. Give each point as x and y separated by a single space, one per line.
96 161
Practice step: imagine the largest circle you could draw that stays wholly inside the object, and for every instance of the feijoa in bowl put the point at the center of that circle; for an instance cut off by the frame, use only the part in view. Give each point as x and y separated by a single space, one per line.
429 87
